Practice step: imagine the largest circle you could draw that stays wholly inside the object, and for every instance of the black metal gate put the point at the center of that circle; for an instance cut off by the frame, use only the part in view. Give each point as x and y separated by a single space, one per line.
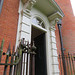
69 62
19 62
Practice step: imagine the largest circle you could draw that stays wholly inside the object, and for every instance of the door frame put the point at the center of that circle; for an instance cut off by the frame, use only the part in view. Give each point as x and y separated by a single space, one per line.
49 36
48 46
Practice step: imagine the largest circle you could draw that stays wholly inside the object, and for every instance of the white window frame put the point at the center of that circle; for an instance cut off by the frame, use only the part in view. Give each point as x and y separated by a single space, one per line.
1 5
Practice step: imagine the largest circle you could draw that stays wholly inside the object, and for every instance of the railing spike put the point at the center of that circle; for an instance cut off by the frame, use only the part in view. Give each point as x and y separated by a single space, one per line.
12 57
8 51
1 49
13 49
2 44
59 56
16 54
24 48
33 47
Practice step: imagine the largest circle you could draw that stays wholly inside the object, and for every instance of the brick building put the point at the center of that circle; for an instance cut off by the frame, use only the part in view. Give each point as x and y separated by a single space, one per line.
67 25
34 20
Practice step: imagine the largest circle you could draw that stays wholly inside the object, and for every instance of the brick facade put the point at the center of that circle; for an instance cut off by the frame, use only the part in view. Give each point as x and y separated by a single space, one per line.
68 27
8 25
9 22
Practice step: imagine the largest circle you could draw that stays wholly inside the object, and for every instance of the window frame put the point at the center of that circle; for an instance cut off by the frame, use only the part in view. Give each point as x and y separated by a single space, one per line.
1 4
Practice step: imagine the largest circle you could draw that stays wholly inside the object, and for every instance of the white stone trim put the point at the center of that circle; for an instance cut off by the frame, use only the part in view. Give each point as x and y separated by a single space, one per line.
56 16
55 62
19 24
25 18
29 4
36 13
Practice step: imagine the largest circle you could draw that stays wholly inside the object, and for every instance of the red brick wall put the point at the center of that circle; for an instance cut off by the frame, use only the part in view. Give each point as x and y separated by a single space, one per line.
68 26
8 24
9 21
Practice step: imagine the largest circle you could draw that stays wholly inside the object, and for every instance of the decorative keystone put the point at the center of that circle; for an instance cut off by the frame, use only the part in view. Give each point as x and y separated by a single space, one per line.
29 4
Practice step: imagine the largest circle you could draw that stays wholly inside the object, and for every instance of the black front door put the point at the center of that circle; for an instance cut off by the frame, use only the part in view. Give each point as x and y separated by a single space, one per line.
40 59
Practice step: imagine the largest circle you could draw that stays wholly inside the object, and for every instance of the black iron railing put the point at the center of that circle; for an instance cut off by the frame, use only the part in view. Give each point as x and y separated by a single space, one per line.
69 63
19 62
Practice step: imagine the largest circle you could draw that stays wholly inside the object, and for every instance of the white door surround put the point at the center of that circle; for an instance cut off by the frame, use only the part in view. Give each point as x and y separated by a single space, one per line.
26 15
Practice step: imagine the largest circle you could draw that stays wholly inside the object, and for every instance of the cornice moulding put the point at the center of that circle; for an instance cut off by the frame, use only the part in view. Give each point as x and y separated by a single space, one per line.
56 6
54 16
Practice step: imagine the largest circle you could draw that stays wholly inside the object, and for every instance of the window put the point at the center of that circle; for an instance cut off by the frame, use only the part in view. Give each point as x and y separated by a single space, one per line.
38 21
1 3
73 6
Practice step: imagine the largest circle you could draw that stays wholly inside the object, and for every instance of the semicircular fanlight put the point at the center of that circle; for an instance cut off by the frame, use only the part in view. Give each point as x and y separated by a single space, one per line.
38 21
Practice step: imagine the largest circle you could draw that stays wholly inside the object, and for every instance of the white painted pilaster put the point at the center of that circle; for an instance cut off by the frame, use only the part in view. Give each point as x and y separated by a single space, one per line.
55 63
54 18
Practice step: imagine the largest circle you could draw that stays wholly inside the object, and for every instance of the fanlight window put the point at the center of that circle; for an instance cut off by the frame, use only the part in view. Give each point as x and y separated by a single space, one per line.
38 21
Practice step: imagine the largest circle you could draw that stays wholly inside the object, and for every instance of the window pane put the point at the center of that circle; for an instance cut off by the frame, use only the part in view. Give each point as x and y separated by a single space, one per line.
0 1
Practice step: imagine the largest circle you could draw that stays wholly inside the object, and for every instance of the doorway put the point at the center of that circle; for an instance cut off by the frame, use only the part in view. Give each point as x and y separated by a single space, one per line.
40 59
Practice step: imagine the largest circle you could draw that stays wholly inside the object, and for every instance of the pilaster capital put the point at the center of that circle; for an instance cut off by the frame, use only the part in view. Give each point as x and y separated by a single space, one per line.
26 6
54 18
53 23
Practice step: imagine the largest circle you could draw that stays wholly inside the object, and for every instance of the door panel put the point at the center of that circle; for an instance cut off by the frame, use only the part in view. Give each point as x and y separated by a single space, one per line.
40 59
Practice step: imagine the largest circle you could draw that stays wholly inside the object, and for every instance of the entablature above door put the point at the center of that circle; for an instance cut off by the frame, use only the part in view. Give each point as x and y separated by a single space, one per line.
48 7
